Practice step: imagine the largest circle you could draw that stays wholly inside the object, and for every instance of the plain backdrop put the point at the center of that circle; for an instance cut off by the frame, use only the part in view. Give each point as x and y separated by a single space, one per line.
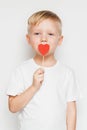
14 48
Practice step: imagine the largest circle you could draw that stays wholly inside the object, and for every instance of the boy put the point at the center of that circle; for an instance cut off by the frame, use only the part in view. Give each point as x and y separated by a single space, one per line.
44 95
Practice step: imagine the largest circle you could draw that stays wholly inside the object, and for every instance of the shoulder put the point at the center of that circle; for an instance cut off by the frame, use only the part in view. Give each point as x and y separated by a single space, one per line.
66 69
24 65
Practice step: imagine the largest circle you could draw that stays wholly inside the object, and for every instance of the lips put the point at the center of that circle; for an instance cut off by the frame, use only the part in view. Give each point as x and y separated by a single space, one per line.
43 49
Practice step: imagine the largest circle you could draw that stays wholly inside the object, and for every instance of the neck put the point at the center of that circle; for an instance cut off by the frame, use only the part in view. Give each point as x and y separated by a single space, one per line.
49 60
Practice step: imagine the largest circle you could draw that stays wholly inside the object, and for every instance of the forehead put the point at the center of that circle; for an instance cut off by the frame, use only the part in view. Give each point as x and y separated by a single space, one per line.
46 24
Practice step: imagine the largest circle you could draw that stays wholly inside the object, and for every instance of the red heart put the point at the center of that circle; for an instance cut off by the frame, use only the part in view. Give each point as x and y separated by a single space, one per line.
43 48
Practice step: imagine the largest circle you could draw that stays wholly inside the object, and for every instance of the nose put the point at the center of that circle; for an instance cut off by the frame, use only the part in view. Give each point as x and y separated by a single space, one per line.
43 38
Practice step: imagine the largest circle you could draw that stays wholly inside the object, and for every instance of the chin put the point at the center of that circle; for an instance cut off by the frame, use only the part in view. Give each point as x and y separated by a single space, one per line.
47 55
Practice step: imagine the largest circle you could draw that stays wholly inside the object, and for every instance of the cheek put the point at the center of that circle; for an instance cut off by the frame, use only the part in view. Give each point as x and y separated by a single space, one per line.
54 40
34 40
53 45
34 44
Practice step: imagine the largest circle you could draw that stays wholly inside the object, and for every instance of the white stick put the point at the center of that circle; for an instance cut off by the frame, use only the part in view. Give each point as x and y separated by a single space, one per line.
43 61
43 67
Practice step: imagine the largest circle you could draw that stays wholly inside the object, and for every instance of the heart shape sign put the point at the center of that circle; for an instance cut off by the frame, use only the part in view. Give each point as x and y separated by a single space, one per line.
43 48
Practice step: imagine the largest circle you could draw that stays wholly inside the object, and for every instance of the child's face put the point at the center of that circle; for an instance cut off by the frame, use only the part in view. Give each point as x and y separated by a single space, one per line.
45 33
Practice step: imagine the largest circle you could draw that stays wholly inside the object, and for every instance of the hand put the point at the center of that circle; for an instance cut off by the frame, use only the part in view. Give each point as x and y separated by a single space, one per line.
38 78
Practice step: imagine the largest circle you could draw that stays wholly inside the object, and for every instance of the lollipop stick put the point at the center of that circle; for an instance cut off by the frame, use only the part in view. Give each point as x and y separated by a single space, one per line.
43 61
43 67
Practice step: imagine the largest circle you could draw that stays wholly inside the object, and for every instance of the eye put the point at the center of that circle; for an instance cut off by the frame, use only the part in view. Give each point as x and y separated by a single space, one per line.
51 34
36 33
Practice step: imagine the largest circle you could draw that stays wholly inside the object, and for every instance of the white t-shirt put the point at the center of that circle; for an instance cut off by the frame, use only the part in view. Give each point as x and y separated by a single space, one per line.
47 108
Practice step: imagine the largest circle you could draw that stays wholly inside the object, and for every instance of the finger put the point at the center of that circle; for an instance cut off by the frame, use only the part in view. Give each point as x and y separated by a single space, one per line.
41 70
41 80
38 71
40 76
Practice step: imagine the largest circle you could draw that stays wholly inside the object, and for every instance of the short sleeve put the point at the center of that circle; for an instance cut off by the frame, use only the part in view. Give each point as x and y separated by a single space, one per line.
73 92
16 83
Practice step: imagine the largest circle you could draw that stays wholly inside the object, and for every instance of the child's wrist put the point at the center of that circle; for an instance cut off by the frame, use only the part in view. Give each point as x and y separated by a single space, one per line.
34 89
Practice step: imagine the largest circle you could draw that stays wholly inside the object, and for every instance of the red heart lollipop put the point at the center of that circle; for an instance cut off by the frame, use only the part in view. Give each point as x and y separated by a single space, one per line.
43 48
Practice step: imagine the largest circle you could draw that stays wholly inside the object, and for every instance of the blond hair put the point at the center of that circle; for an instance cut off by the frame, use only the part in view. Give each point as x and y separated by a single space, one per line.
39 16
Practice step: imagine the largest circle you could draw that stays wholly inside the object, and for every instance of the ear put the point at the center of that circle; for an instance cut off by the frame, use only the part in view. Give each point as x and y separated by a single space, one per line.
27 38
60 40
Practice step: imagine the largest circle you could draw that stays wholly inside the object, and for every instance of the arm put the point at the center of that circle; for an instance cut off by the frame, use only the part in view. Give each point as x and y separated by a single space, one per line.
16 103
71 115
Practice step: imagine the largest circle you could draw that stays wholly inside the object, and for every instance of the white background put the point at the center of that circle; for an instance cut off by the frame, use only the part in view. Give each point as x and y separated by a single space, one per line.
14 48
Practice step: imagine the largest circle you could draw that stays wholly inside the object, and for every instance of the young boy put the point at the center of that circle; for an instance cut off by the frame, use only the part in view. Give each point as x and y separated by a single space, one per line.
44 94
